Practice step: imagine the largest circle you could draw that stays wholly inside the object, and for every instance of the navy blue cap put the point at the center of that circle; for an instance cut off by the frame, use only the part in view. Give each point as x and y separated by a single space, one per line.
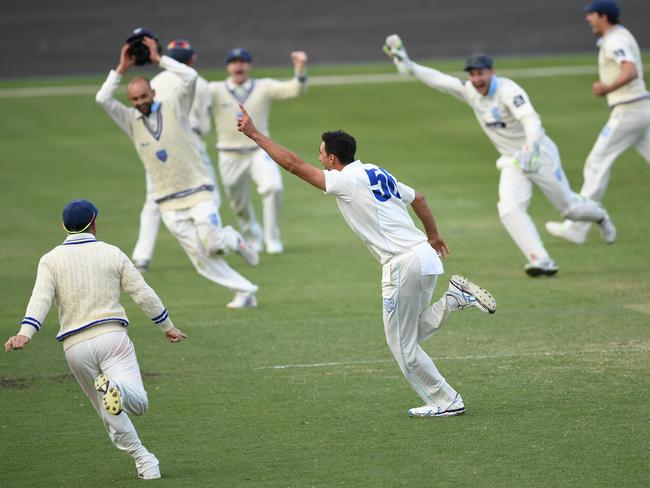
239 53
181 50
78 215
139 33
478 61
604 7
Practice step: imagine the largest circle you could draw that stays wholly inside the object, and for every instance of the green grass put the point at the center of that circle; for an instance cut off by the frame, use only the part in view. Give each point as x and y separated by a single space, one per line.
556 383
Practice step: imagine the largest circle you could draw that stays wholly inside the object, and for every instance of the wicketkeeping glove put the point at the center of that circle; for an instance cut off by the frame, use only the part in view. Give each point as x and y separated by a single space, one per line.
394 49
528 159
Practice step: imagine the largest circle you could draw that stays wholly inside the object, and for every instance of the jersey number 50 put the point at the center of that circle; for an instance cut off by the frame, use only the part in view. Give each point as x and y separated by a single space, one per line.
382 184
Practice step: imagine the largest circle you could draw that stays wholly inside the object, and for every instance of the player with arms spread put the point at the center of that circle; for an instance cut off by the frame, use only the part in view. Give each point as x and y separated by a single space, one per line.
241 161
374 204
180 181
620 71
528 155
85 277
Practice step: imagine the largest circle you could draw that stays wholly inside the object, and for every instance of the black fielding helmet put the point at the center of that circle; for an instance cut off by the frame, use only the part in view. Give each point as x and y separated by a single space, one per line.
137 49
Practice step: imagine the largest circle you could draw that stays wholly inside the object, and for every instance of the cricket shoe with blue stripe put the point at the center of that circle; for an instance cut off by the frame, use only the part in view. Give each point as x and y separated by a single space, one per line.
111 395
469 294
457 407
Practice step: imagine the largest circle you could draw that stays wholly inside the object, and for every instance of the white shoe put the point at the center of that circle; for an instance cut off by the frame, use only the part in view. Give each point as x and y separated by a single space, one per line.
607 229
111 394
247 251
243 300
457 407
546 267
469 294
148 467
274 247
569 231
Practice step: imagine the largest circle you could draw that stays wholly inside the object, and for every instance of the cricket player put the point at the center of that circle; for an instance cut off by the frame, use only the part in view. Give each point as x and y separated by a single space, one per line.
241 161
84 276
620 72
527 155
181 184
167 85
374 204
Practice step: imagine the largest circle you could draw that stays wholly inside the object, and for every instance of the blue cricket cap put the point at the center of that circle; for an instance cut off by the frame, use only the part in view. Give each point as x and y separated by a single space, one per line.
239 53
181 50
604 7
140 32
78 215
478 61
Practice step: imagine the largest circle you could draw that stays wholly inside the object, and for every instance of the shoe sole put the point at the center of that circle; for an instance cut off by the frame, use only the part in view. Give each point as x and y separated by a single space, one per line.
446 413
110 395
535 272
483 297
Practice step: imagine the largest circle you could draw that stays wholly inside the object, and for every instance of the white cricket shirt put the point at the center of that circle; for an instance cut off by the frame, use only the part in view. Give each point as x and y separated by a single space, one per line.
373 203
505 114
616 46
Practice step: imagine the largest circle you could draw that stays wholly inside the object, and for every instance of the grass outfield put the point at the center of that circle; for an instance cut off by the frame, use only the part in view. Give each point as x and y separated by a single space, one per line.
556 383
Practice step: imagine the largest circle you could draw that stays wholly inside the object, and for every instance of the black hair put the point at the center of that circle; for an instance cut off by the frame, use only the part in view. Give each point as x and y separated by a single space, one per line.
340 144
613 20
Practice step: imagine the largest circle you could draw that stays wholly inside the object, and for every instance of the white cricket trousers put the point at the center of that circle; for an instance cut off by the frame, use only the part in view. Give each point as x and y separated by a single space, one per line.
409 319
114 355
150 213
237 169
628 126
516 191
198 230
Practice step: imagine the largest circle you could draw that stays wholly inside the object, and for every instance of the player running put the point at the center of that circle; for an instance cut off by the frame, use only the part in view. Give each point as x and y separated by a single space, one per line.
240 161
620 73
85 277
374 204
181 184
528 155
167 85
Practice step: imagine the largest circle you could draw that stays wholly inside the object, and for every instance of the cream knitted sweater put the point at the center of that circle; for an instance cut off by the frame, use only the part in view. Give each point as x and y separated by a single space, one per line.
85 277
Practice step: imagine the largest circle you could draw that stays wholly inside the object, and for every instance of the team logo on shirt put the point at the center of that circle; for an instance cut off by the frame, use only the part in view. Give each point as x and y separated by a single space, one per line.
389 304
619 53
162 155
518 101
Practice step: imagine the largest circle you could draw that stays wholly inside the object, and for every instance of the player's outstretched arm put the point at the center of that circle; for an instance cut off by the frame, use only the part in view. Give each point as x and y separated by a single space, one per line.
289 160
422 210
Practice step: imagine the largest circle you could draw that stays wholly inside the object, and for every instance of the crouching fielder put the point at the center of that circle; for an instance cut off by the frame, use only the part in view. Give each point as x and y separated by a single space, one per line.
528 155
374 205
85 277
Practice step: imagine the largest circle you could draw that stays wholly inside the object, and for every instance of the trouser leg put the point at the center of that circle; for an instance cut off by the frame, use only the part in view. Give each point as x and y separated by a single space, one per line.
85 360
406 294
515 192
235 176
551 179
268 178
205 157
148 232
183 228
214 238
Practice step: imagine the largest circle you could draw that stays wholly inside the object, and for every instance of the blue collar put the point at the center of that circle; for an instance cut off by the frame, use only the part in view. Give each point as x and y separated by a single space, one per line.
494 85
155 107
80 238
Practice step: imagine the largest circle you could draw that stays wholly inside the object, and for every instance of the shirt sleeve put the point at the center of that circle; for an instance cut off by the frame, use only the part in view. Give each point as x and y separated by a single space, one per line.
120 113
184 96
339 185
201 118
519 105
440 81
40 301
282 90
406 193
619 50
143 295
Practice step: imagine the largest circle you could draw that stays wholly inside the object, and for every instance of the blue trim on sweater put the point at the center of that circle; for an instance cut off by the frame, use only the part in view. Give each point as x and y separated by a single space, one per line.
124 322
